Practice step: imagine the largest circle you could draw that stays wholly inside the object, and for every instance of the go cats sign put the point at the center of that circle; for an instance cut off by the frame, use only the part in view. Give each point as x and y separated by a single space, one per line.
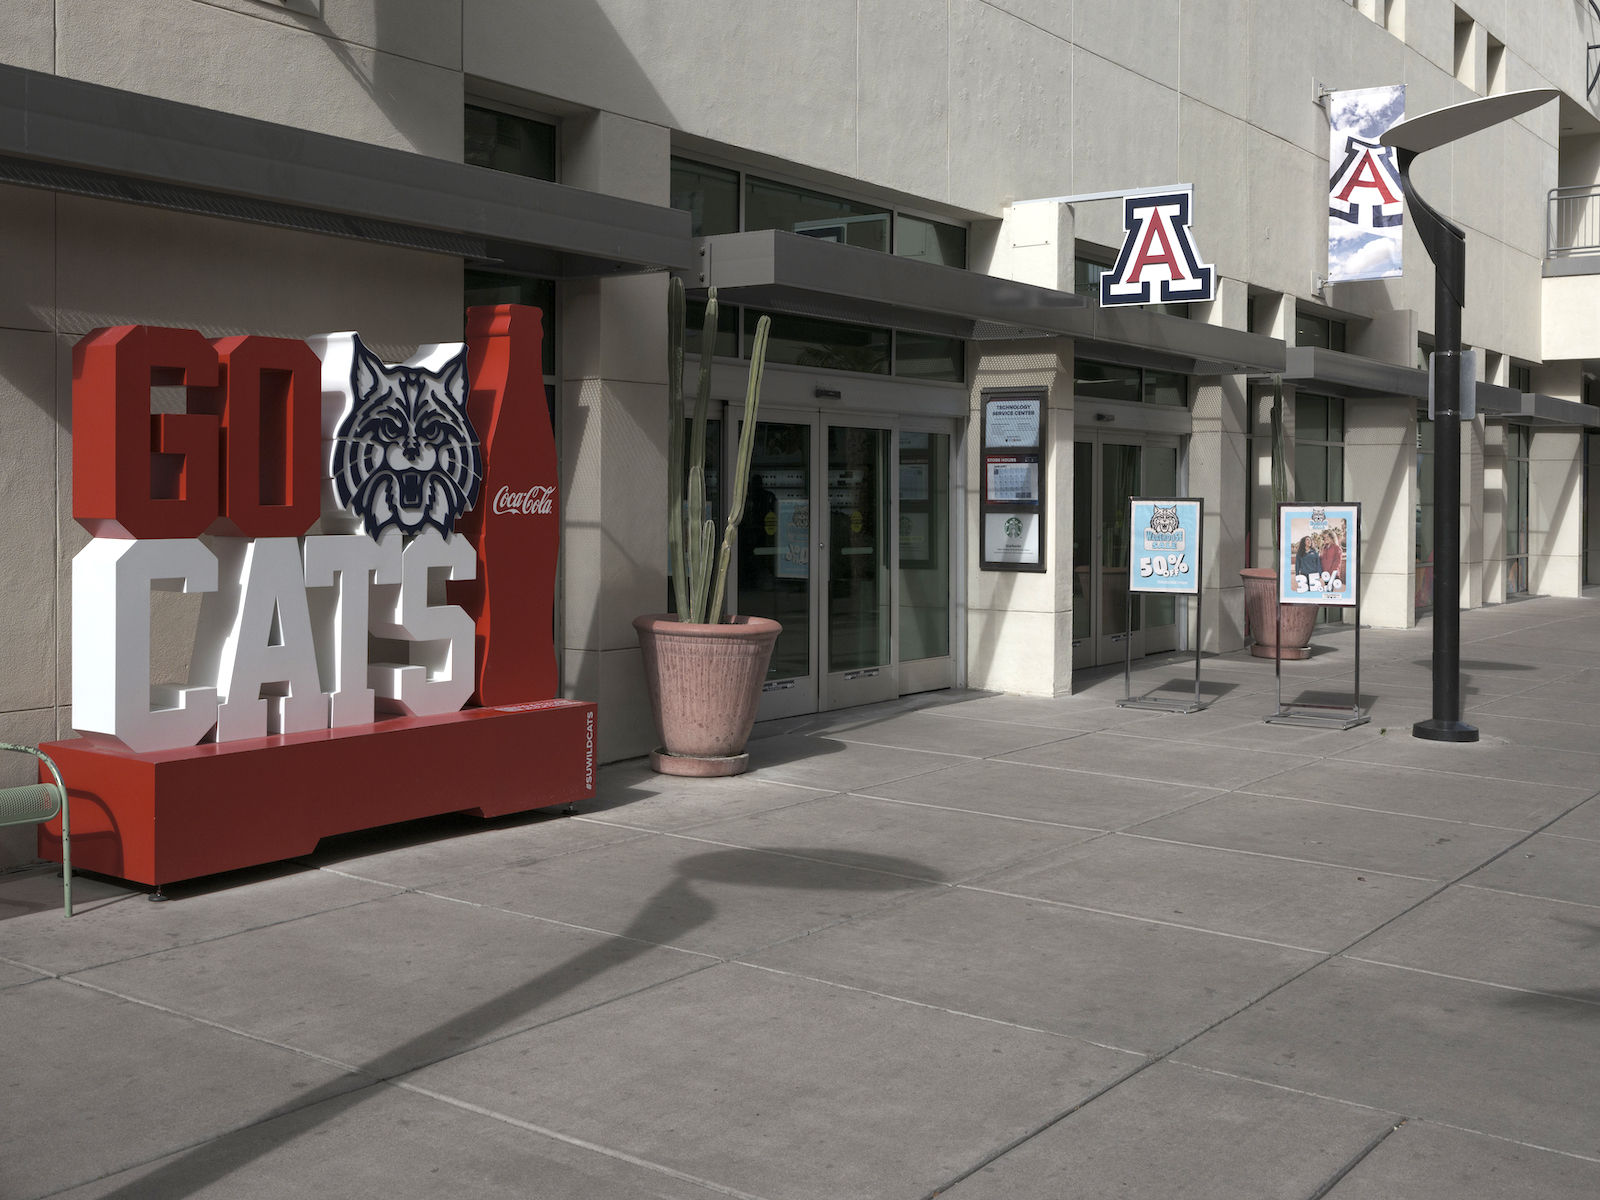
393 462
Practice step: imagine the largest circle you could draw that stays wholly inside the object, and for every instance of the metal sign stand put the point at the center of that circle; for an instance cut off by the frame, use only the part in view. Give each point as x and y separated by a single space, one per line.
1320 716
1150 700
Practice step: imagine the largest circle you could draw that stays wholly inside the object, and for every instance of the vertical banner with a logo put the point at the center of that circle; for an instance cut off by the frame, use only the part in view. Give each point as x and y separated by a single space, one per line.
1365 202
1011 533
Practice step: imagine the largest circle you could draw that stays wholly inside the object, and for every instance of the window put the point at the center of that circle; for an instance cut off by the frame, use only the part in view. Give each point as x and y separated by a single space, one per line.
773 205
490 287
1521 377
810 342
1519 440
1086 274
710 195
1321 332
1112 381
923 356
503 142
694 320
1319 448
1466 50
1497 66
930 241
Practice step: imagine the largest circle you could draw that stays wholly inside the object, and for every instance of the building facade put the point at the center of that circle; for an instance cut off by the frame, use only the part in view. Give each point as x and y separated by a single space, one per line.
901 187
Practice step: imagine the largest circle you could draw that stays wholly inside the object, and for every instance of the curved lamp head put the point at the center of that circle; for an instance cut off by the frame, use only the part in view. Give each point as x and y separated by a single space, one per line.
1444 125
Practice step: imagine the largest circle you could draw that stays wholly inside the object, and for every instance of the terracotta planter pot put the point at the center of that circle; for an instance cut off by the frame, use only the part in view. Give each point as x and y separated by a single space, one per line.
705 682
1260 601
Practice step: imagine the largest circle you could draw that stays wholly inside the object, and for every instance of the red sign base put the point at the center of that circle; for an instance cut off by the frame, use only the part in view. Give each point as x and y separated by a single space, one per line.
178 814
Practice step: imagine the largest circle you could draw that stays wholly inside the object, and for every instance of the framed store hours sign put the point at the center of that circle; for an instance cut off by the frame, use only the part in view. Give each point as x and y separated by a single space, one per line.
1011 529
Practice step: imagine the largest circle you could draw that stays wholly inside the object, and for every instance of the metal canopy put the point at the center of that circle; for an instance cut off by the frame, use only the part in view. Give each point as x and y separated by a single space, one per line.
83 138
1357 378
790 273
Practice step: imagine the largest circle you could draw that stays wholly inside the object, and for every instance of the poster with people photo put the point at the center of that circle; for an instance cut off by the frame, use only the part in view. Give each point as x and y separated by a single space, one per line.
1319 554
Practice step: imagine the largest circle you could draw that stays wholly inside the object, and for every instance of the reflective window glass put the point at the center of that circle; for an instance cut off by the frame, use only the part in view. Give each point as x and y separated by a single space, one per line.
502 142
1165 387
710 195
772 205
694 324
490 287
921 356
858 557
774 544
930 241
1105 381
810 342
924 545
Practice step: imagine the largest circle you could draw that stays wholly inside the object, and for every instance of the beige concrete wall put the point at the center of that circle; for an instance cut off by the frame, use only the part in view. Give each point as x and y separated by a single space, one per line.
1381 470
1555 513
1570 318
1219 473
1019 631
614 446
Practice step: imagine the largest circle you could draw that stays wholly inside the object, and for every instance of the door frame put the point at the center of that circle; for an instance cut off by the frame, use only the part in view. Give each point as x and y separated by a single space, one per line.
1104 649
822 690
933 674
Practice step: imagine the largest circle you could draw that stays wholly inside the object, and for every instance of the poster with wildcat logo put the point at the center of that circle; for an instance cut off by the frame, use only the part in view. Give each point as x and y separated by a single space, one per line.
1165 556
1319 554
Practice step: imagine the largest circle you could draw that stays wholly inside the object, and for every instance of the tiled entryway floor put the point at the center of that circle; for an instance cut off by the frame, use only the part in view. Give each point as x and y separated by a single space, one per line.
962 944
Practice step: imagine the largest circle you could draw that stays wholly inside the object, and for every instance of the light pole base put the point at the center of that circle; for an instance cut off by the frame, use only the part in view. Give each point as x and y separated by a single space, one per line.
1445 731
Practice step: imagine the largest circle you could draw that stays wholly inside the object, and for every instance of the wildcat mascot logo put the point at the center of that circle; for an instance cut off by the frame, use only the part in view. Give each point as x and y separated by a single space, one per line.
1163 520
403 453
1165 531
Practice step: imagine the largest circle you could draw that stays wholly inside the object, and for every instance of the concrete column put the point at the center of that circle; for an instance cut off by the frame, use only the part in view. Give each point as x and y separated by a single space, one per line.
1274 318
1219 474
1381 461
614 445
1555 513
1019 625
1494 514
1472 516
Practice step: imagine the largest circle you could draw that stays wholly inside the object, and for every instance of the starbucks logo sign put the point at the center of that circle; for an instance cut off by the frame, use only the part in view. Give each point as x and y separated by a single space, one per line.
1013 527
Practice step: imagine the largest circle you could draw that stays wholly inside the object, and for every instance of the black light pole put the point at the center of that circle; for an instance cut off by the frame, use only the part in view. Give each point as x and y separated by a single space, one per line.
1447 247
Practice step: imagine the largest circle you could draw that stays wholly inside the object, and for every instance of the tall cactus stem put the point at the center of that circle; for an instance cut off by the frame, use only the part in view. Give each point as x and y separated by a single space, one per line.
675 546
747 445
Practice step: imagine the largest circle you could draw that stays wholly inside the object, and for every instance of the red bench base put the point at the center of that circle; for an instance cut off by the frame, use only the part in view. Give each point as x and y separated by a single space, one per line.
178 814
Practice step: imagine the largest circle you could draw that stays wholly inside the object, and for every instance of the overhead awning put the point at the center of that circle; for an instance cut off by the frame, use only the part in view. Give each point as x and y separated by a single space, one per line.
68 136
1357 378
1552 410
791 273
806 276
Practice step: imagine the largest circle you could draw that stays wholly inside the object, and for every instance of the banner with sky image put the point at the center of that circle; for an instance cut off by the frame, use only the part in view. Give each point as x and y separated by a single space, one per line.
1365 202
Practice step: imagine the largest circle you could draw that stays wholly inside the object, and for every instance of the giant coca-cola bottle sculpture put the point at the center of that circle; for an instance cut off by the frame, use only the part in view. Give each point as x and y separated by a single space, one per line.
516 525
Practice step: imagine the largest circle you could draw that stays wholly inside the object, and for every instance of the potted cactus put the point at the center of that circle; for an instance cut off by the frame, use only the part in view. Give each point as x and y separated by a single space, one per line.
704 671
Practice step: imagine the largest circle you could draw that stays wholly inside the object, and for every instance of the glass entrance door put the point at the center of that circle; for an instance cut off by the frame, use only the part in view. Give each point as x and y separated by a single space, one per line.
1108 471
817 553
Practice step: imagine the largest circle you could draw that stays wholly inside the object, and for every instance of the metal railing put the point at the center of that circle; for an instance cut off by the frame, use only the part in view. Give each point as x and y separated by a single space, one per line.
1573 224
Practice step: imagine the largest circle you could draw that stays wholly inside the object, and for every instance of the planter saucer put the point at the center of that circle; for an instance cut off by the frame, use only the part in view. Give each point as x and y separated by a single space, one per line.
663 763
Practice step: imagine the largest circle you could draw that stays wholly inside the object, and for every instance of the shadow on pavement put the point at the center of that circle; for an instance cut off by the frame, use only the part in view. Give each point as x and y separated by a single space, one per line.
674 910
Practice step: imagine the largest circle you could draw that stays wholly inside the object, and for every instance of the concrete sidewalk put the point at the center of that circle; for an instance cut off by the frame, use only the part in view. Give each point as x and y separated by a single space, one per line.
961 944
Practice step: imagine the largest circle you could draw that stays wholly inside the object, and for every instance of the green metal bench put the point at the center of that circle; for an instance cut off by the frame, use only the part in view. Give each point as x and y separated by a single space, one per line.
36 802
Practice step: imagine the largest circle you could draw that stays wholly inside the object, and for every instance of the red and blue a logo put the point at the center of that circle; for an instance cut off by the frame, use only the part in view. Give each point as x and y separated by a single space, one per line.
1158 249
1367 178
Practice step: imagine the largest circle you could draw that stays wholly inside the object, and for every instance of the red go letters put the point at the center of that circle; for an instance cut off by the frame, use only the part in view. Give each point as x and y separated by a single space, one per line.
242 460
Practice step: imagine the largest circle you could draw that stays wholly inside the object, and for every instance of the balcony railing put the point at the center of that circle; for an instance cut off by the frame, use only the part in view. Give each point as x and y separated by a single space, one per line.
1573 225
